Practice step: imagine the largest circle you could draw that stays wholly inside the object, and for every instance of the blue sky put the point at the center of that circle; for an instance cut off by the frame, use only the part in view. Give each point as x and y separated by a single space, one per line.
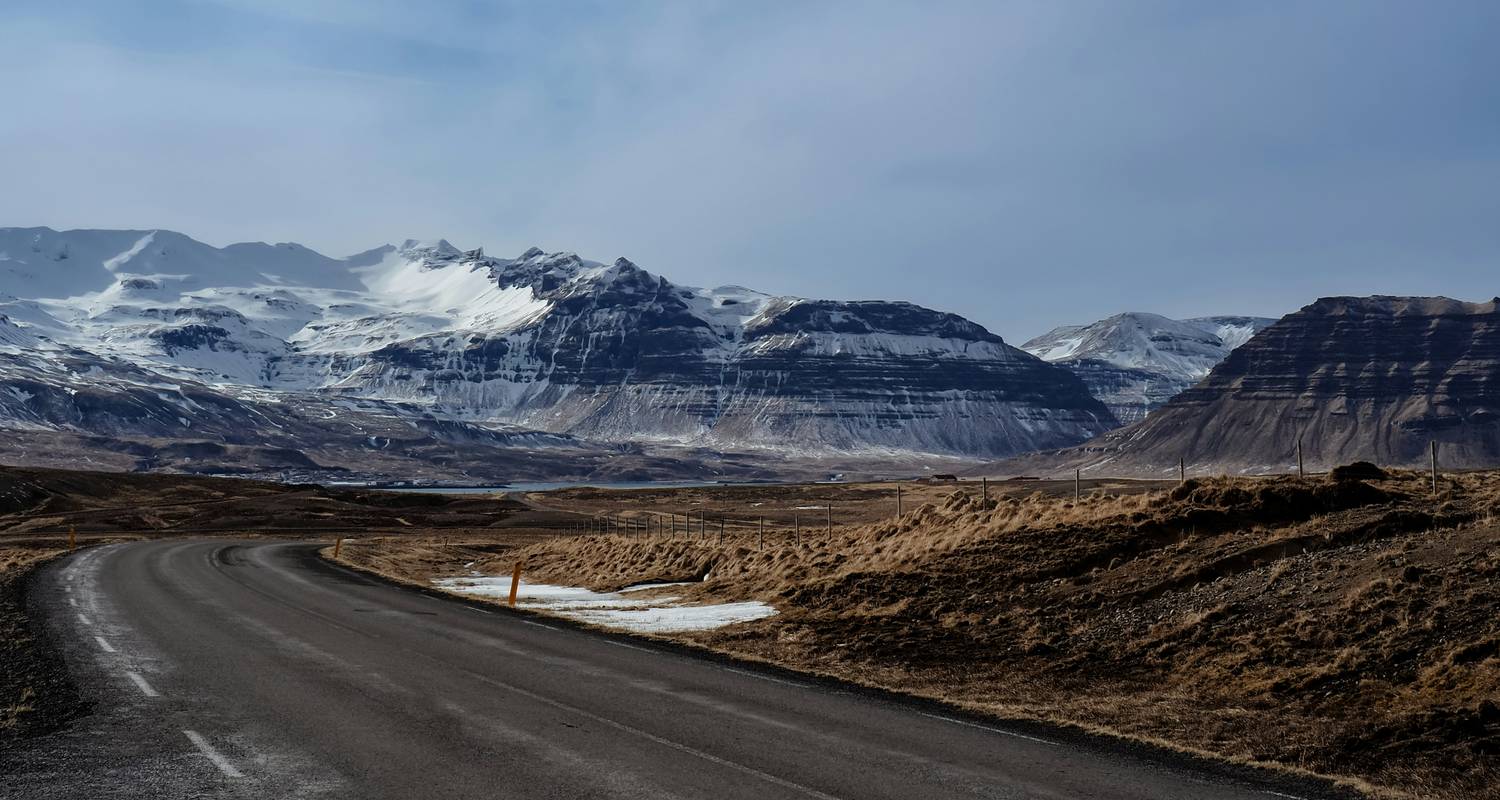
1025 164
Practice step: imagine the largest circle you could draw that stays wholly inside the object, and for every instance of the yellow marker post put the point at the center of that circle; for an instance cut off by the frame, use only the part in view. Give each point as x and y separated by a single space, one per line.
515 584
72 538
338 544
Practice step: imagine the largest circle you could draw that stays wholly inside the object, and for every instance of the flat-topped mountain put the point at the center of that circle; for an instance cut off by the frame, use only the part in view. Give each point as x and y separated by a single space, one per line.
1355 378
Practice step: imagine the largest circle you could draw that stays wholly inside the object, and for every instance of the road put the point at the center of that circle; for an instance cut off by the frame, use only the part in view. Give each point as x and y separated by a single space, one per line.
254 669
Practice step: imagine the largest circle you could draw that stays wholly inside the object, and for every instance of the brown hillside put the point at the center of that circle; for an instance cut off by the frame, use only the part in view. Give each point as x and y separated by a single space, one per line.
1343 626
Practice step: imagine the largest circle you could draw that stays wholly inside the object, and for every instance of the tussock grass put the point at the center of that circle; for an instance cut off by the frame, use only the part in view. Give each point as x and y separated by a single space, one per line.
1345 627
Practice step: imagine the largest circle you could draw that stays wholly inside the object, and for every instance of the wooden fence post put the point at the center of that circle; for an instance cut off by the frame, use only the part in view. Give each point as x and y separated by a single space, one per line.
1434 466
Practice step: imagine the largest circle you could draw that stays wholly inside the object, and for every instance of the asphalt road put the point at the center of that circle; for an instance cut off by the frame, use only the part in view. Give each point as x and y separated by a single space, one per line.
253 669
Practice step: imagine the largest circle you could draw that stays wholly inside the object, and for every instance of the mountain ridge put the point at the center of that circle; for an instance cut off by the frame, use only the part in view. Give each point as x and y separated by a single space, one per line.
605 353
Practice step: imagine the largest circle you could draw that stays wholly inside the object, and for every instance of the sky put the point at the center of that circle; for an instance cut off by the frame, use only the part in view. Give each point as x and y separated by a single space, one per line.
1024 164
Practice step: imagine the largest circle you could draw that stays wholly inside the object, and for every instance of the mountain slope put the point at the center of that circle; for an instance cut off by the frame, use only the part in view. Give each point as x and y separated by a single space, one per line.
1355 378
1135 362
606 354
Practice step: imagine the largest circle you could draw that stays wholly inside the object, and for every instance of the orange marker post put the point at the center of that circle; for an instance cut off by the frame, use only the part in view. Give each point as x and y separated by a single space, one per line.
338 544
515 584
72 538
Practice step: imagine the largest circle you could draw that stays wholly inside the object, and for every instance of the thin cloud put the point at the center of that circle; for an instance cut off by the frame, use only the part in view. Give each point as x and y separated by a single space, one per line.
1025 164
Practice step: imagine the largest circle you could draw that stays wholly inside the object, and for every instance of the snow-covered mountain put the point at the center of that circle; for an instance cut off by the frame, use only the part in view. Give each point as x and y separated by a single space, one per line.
1135 362
545 342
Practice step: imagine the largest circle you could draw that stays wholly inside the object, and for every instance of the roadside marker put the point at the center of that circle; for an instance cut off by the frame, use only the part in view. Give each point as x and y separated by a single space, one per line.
515 584
338 544
72 538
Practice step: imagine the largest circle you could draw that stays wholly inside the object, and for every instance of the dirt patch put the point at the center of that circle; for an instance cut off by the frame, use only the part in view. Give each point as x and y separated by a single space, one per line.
419 558
38 501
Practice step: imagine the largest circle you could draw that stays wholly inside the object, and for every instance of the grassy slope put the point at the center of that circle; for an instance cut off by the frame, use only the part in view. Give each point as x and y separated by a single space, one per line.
1342 627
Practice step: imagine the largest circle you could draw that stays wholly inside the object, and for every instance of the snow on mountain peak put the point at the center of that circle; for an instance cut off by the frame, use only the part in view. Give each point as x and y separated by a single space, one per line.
1232 331
546 340
1134 340
1136 361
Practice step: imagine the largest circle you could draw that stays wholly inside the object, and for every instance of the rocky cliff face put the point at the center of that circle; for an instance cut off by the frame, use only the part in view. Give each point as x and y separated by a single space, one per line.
616 353
1135 362
1356 378
240 342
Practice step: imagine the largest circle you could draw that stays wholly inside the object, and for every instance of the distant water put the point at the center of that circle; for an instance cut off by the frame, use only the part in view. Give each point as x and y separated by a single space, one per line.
547 486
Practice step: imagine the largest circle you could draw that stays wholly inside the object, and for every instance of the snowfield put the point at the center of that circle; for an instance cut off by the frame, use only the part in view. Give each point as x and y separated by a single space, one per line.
655 614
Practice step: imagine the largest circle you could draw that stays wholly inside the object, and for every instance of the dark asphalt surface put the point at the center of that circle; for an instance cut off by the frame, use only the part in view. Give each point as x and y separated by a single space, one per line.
253 669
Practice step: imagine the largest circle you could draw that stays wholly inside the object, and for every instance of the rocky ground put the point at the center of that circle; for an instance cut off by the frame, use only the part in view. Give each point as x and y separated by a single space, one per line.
35 693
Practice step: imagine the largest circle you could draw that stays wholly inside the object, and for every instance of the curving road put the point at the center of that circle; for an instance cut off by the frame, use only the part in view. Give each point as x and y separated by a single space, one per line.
254 669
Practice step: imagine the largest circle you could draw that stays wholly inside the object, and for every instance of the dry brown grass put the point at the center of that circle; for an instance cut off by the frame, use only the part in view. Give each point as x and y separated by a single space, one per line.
1338 626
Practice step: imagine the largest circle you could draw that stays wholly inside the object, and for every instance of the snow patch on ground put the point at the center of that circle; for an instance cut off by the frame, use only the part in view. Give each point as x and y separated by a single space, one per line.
613 609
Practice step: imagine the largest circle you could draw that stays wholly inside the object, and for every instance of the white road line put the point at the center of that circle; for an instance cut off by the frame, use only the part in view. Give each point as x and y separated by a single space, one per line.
750 674
620 726
538 625
631 646
104 645
1290 796
73 601
480 610
1000 731
213 755
142 685
84 620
